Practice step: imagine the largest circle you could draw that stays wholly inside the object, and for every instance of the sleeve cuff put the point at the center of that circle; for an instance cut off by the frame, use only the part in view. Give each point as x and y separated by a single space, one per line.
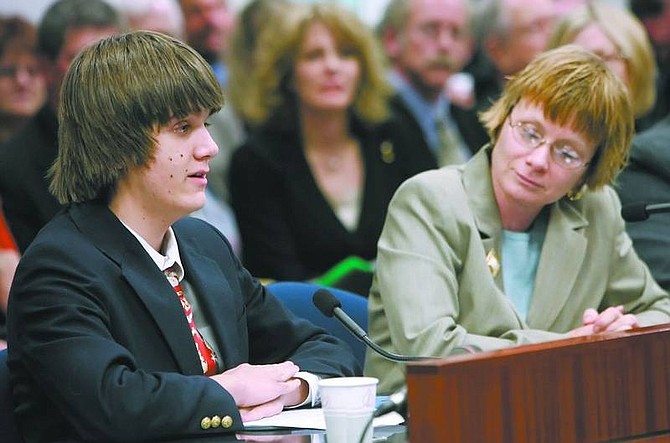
313 397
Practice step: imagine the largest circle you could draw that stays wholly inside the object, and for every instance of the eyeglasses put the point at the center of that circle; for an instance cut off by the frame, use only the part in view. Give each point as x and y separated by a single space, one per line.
433 31
530 136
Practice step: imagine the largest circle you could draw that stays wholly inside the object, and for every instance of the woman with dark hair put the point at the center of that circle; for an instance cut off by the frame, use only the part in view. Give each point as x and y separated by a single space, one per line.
23 88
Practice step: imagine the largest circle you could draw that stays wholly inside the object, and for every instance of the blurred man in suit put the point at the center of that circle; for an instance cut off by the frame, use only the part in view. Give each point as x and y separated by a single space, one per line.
209 24
427 41
510 34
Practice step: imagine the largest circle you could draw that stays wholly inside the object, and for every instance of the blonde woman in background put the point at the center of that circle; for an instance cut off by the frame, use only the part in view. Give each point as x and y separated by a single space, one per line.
311 185
614 34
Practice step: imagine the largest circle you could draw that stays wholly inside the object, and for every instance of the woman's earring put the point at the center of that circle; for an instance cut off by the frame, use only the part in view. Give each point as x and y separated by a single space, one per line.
576 195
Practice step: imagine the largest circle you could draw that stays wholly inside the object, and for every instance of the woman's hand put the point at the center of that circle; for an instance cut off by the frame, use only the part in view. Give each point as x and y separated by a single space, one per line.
609 320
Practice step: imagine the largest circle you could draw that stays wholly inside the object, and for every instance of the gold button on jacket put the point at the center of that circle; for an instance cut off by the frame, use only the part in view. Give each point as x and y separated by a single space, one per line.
216 421
206 423
227 421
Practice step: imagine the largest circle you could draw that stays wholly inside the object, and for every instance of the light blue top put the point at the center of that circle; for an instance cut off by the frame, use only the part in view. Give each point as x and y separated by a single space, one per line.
520 257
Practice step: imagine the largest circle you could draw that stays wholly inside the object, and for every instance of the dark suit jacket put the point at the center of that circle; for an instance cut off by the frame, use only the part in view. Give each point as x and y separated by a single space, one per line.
24 161
100 347
647 179
289 231
471 130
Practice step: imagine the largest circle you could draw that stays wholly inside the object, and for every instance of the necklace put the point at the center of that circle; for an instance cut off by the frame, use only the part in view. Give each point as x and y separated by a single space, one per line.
329 163
332 160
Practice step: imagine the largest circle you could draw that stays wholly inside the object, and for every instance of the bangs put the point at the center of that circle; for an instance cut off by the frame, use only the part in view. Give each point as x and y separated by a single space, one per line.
344 32
175 86
575 89
157 82
114 95
565 91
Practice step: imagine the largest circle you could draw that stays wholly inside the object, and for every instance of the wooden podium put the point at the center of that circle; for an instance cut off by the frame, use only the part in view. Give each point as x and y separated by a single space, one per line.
600 388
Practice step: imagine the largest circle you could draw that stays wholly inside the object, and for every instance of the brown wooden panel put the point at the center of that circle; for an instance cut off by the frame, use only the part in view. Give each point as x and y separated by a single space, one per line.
588 389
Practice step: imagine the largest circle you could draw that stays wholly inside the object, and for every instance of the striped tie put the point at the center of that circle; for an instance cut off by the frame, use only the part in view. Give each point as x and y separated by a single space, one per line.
208 358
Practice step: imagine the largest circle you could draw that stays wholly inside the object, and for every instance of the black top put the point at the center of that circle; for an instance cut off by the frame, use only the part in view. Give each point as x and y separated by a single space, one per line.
24 188
289 231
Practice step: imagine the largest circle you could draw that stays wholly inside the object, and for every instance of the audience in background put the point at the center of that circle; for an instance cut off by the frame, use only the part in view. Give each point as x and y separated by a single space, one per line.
22 83
208 27
525 242
22 93
152 15
655 16
241 59
426 42
229 126
65 29
562 7
128 320
510 34
615 35
9 259
646 180
311 185
518 31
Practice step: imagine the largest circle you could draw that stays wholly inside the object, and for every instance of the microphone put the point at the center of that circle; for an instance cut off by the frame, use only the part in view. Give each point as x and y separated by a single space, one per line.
330 306
641 211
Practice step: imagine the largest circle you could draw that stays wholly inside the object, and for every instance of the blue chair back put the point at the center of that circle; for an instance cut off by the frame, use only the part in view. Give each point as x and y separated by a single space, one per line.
297 296
8 431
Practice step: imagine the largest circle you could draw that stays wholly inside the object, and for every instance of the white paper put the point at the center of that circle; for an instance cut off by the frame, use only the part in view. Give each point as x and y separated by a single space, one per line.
313 419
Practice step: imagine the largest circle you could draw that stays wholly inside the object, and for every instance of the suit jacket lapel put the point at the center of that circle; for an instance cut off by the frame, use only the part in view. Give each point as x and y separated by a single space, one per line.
158 296
147 281
561 259
481 201
214 296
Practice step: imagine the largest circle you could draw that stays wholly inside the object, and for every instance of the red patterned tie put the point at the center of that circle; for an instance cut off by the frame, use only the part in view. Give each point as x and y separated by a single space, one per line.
208 358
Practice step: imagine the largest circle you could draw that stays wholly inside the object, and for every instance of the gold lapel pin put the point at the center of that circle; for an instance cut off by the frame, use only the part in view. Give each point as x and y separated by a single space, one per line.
493 263
386 150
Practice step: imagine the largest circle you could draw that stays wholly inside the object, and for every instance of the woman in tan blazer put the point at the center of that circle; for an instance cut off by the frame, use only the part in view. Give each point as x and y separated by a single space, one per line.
525 242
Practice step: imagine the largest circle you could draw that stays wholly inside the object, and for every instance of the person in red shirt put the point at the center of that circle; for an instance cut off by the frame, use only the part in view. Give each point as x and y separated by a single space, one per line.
9 259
